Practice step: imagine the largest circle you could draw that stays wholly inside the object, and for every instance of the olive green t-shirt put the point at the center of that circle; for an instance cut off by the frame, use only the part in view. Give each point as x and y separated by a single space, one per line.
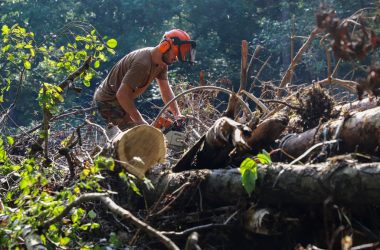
136 69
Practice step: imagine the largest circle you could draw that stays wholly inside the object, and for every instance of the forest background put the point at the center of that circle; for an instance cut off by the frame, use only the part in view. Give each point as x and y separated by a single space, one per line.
218 26
49 50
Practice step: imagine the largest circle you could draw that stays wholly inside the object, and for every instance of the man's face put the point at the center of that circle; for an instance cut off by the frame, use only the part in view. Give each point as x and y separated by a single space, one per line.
169 57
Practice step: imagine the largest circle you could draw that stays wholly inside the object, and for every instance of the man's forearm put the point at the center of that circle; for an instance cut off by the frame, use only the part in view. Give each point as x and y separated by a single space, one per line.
133 112
126 101
167 95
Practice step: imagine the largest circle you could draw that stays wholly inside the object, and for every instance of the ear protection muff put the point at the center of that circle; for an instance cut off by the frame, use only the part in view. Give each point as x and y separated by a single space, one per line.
165 45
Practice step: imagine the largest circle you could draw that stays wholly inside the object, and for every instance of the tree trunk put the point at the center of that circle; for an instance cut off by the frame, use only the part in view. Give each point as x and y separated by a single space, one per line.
343 180
359 132
138 149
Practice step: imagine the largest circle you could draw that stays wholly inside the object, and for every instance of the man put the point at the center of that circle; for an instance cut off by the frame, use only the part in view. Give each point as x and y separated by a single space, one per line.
132 75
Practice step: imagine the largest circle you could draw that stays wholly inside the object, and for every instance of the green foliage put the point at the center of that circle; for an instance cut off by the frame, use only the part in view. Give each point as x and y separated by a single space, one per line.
25 61
36 202
34 188
248 170
49 96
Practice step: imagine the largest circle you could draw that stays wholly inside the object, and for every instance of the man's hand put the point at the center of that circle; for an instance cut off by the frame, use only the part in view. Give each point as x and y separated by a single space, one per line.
143 121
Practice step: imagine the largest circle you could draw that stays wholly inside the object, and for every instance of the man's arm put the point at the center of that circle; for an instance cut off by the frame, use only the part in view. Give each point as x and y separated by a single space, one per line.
167 94
126 97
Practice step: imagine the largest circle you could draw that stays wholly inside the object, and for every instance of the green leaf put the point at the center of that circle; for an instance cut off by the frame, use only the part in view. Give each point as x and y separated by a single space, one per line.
27 64
53 228
5 30
264 158
10 140
5 48
112 43
95 225
32 52
88 76
248 170
91 214
86 83
74 217
43 239
96 64
64 240
249 181
27 181
84 227
102 57
247 164
112 51
134 187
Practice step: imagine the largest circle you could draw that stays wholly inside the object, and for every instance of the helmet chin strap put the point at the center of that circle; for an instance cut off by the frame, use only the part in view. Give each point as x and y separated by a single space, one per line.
164 60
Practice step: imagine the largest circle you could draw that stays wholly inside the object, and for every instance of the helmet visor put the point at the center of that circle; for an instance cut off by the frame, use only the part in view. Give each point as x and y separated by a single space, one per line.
186 50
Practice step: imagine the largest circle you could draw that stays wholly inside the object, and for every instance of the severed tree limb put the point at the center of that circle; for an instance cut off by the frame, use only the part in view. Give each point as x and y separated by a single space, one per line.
346 181
254 56
350 85
361 105
227 138
243 70
215 148
359 132
267 131
290 71
111 205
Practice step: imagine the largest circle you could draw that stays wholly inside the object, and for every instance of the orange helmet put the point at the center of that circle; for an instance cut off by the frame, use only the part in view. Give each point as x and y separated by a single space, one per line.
181 44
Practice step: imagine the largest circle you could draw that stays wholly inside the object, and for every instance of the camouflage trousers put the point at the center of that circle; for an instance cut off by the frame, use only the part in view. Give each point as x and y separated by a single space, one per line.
113 113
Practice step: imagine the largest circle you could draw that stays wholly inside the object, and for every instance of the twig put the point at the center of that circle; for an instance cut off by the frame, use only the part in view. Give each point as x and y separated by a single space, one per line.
255 53
180 189
328 57
350 85
257 101
195 89
292 42
368 245
111 205
202 227
99 127
56 117
311 149
258 74
284 103
190 230
289 73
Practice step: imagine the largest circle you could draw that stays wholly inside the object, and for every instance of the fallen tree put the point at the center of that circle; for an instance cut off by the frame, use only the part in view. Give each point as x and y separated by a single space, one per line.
358 132
346 181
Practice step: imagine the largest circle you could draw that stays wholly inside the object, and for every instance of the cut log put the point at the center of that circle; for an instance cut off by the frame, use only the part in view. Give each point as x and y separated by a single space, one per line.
213 150
227 138
138 149
359 132
346 181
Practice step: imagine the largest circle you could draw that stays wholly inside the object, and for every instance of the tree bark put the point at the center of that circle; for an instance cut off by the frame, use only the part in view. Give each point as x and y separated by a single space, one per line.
359 132
344 180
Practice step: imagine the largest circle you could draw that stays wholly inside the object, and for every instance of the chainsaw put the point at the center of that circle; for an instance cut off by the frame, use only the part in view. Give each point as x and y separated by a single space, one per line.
174 131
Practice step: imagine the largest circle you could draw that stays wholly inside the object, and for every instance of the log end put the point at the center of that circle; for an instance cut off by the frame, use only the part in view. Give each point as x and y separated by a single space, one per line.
140 148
